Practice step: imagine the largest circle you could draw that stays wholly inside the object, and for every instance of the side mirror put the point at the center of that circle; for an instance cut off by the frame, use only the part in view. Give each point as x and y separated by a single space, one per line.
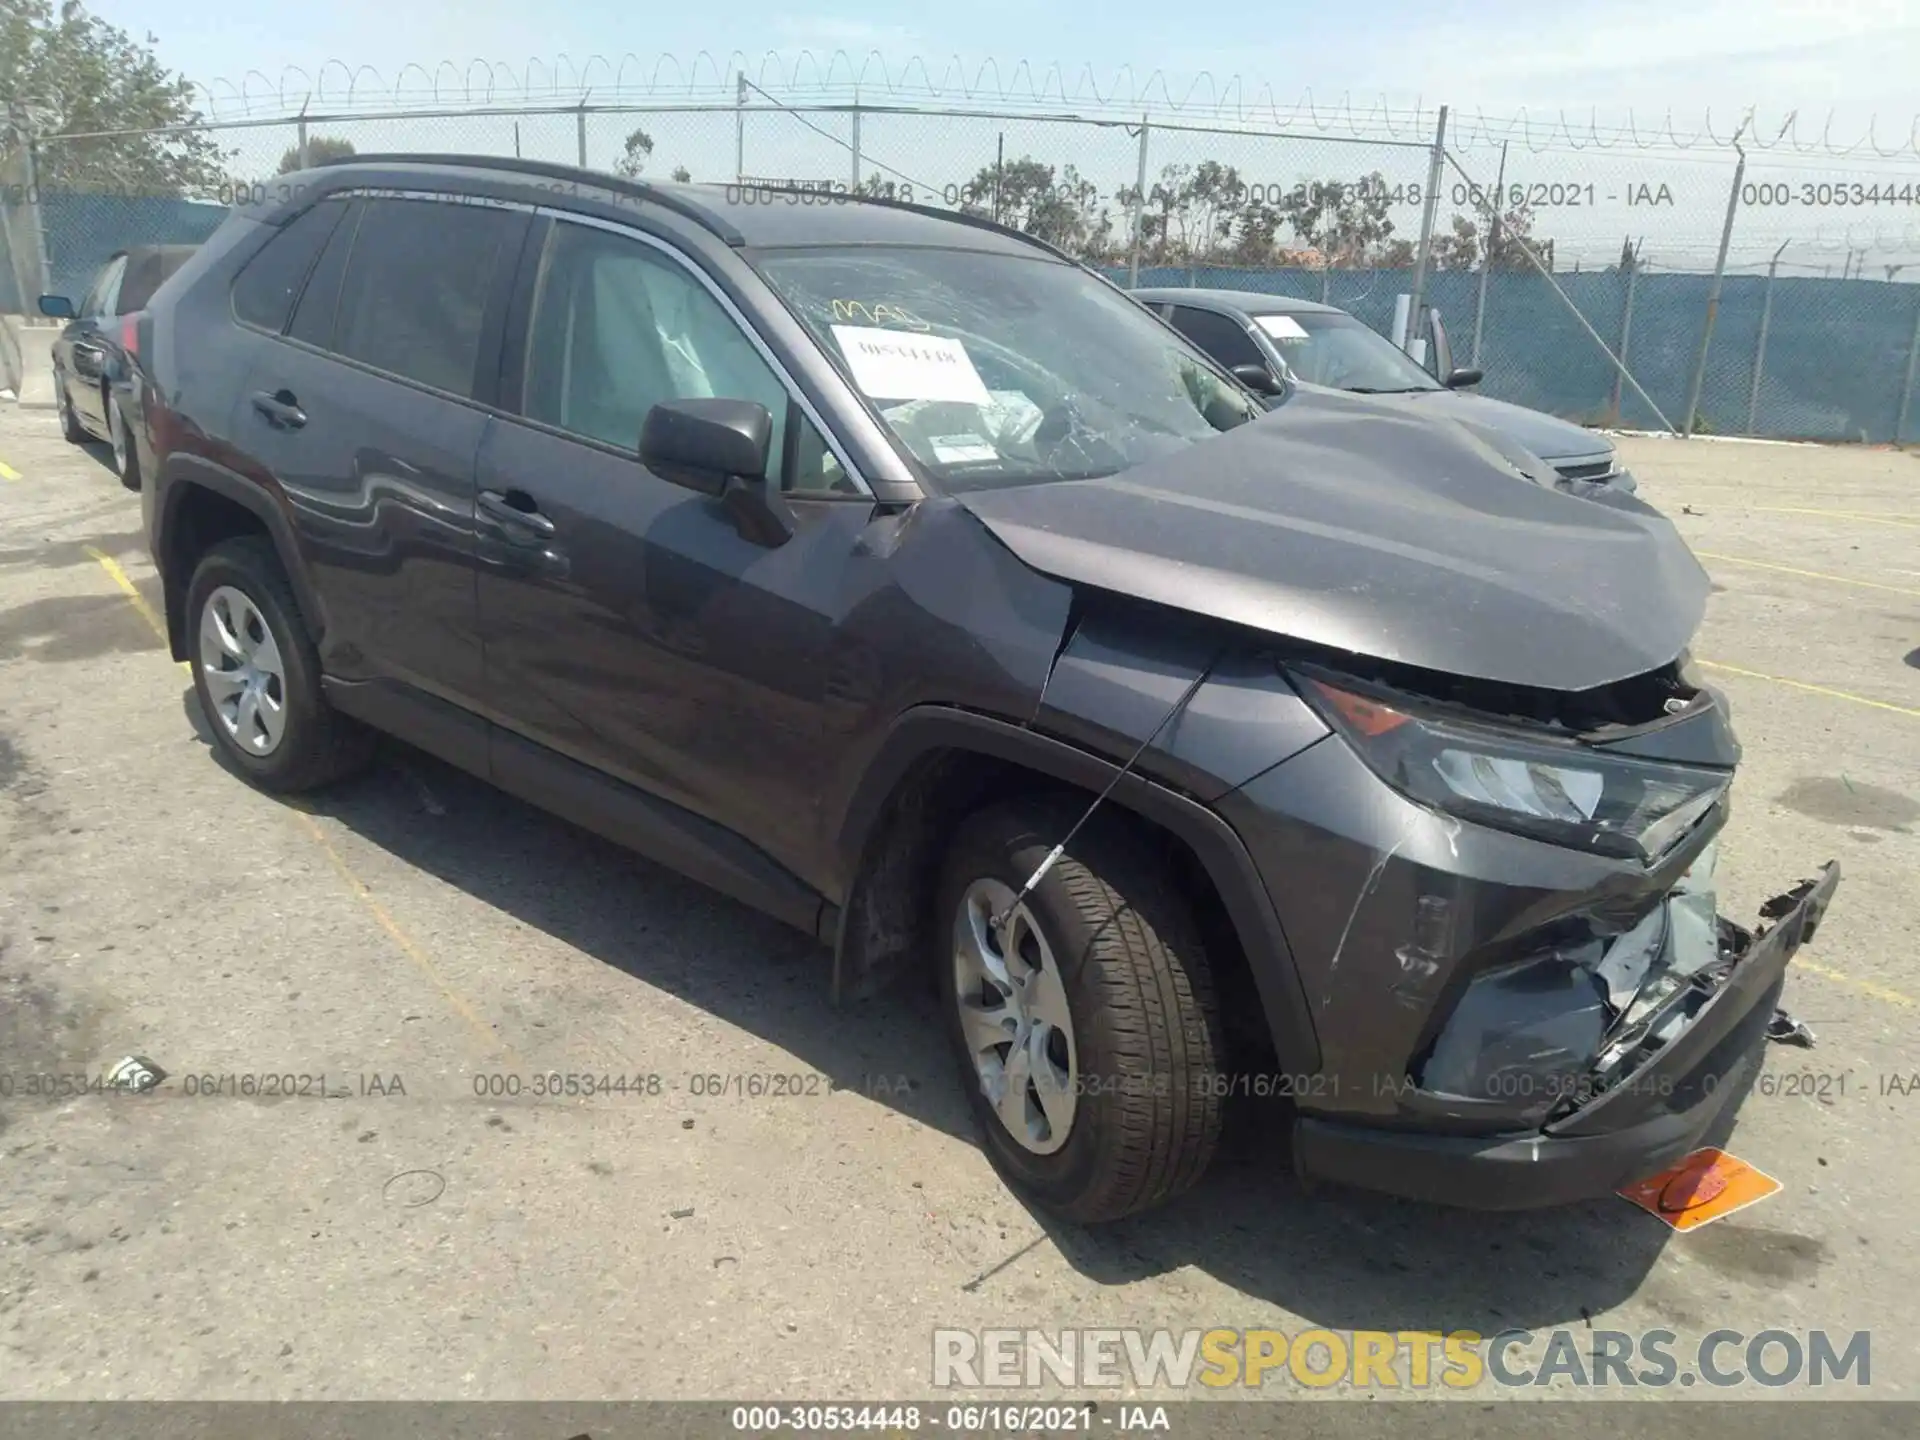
56 307
1459 379
1258 378
719 448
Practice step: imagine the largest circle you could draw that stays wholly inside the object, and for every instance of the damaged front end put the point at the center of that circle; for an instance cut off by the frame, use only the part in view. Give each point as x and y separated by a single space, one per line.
1531 996
1547 1040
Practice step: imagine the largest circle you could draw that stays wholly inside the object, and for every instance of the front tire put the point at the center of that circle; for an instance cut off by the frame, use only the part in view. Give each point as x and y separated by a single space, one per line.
257 674
1087 1032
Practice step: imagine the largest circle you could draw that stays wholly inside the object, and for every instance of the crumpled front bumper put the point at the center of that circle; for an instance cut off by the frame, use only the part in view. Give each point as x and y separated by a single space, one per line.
1645 1121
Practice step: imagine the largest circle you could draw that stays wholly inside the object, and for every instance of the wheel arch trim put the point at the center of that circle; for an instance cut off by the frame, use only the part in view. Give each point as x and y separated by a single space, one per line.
185 473
927 729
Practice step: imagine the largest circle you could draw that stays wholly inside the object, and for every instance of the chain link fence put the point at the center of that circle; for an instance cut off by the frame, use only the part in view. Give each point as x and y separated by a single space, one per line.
1712 287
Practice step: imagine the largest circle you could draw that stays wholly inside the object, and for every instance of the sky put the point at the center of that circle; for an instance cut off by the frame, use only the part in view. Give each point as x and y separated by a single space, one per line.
1653 55
1840 65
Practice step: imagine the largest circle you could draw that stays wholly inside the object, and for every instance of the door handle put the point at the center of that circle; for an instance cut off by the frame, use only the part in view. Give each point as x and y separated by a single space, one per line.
280 409
517 509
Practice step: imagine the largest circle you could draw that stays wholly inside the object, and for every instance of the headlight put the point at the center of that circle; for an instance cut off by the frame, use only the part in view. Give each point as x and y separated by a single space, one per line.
1557 790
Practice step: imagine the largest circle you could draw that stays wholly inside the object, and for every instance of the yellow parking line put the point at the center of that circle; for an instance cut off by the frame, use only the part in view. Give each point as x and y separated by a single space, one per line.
119 577
1816 689
7 472
1900 520
1808 574
455 1000
1865 987
380 913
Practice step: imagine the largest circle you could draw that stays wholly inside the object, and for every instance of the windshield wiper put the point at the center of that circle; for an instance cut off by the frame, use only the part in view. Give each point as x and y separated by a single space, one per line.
1390 390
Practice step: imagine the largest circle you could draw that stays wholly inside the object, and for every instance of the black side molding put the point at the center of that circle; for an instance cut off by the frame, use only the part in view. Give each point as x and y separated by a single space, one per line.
682 841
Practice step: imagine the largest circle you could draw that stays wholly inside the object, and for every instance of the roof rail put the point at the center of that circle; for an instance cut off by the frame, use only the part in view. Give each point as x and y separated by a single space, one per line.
962 217
551 170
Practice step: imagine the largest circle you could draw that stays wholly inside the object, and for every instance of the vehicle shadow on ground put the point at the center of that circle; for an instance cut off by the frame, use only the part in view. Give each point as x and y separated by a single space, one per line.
1343 1259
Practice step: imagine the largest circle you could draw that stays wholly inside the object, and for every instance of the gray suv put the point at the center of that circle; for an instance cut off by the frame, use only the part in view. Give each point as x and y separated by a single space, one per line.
886 570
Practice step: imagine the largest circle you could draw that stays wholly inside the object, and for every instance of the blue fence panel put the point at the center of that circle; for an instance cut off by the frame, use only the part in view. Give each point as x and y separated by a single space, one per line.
1834 367
81 230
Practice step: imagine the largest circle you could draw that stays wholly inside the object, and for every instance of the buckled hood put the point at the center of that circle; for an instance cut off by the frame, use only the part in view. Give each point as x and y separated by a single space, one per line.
1377 531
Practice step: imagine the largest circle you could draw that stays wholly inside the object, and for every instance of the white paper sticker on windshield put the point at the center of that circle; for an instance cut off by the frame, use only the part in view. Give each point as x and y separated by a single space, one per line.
963 450
1282 327
893 365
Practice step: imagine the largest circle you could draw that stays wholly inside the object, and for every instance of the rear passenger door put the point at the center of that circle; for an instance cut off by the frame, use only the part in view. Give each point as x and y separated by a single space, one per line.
366 413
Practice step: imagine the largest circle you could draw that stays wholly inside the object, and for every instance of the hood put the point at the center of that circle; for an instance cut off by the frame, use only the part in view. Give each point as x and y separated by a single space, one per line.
1544 435
1340 522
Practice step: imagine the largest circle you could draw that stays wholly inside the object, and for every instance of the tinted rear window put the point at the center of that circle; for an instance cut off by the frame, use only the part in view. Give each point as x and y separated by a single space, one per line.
264 293
147 271
415 294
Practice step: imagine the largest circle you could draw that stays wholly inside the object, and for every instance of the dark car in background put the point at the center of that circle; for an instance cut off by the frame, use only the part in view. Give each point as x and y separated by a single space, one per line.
885 569
96 358
1268 338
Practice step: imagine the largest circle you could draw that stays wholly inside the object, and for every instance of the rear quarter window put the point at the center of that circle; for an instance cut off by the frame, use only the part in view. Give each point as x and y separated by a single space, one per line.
264 291
414 299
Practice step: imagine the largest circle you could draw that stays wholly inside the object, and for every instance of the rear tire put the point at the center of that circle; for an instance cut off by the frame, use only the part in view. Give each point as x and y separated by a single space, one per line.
70 430
245 637
1124 1113
126 460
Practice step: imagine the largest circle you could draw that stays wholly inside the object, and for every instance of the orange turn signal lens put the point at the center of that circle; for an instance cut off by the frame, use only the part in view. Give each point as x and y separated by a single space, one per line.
1368 717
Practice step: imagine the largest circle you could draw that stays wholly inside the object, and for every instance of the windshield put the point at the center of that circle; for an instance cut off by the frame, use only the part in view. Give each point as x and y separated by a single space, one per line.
1341 353
998 369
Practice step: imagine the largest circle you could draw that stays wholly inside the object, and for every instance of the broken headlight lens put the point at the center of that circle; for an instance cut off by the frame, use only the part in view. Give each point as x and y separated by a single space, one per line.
1557 790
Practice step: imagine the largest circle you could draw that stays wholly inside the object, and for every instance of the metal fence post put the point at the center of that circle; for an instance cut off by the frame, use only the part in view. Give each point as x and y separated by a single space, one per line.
1760 345
1906 391
300 141
37 258
1486 260
580 131
740 128
1434 167
1626 329
1713 291
1139 209
856 148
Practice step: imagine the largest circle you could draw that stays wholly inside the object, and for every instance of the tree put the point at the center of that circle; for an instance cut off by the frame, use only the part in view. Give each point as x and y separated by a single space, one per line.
72 73
321 149
634 155
1061 207
1347 221
682 174
1460 249
1501 248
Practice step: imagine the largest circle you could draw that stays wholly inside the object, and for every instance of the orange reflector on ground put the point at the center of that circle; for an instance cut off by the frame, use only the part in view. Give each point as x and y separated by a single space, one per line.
1706 1186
